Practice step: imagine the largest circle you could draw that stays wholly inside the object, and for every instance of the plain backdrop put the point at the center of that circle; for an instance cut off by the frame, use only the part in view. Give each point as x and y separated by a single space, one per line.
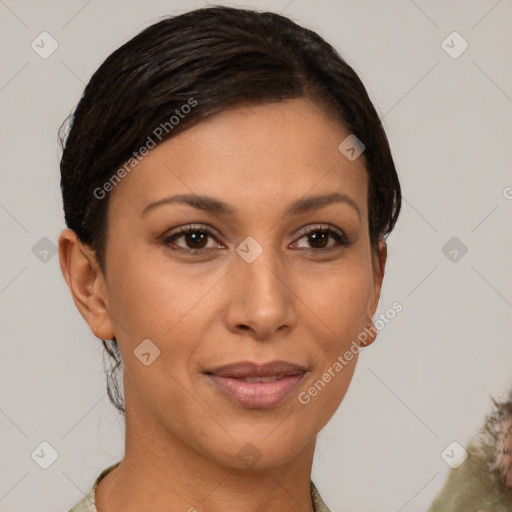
425 382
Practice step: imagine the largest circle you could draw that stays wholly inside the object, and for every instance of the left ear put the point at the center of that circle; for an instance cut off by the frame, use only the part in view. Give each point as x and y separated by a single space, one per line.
379 257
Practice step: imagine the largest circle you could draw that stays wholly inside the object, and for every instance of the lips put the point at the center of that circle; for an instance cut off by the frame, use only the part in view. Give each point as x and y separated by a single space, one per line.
256 386
248 369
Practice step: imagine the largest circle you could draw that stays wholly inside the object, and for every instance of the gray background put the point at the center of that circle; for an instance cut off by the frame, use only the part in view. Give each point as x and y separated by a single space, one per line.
428 378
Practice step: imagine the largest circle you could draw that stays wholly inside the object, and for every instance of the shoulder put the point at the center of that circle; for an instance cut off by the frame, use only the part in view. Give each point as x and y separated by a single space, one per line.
88 503
318 503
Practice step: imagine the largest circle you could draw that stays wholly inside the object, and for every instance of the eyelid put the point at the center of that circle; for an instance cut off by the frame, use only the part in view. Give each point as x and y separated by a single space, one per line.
192 227
321 227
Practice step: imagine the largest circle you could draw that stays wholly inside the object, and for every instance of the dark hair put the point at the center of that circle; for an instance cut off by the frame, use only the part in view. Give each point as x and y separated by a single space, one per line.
207 59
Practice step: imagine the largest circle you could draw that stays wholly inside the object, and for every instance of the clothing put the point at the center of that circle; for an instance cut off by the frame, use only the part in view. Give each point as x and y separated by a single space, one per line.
472 487
483 483
87 503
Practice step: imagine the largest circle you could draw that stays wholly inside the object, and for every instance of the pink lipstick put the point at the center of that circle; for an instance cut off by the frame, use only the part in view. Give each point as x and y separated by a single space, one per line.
257 386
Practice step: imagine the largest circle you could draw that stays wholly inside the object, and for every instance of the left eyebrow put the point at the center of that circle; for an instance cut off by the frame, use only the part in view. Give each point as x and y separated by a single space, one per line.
210 204
312 203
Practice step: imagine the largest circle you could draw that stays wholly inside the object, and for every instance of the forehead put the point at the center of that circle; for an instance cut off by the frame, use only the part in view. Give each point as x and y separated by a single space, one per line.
270 154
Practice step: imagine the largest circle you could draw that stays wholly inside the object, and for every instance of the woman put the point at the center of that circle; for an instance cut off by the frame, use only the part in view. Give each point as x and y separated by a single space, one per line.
228 189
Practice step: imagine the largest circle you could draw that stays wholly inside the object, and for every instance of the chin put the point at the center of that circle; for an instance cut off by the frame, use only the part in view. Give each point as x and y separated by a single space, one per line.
261 452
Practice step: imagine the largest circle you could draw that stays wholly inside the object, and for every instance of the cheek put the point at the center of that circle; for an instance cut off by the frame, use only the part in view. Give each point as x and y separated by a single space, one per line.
147 298
340 298
150 297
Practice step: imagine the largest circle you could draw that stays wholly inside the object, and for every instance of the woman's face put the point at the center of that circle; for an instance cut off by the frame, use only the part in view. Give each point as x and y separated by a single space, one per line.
256 289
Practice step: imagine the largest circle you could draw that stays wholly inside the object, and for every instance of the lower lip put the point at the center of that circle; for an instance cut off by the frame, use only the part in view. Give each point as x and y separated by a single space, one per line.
257 395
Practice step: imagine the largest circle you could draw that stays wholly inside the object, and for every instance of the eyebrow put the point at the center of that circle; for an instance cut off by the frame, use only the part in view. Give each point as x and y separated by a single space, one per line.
210 204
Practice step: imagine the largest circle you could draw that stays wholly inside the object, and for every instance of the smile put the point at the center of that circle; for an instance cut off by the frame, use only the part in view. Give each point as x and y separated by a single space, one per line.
257 392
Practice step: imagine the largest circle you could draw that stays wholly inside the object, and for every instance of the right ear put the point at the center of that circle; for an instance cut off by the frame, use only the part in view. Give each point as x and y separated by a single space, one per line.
86 283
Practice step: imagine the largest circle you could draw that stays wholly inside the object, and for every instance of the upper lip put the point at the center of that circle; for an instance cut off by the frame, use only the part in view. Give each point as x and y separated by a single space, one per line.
242 369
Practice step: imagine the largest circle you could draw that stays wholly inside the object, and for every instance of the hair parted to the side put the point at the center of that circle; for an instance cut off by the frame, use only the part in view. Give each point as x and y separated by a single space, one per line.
221 57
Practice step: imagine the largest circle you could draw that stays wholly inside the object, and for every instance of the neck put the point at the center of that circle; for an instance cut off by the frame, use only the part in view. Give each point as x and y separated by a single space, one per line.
166 472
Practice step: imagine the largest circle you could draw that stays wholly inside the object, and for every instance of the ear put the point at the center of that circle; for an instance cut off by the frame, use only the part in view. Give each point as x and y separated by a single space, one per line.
86 283
379 258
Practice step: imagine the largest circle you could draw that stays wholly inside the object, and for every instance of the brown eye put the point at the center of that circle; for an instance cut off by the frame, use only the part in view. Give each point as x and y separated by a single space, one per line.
318 238
194 238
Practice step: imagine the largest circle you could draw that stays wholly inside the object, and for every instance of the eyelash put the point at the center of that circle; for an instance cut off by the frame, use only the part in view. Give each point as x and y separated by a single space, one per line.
338 236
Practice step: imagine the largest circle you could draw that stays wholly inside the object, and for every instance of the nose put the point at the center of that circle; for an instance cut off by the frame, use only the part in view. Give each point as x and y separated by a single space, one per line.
261 297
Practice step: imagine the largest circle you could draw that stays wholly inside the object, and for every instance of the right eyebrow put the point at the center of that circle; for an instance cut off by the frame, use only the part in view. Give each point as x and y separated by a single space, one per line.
204 203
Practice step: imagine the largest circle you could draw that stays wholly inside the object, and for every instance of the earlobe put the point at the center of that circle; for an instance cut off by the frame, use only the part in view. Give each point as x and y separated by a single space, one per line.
86 283
369 334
